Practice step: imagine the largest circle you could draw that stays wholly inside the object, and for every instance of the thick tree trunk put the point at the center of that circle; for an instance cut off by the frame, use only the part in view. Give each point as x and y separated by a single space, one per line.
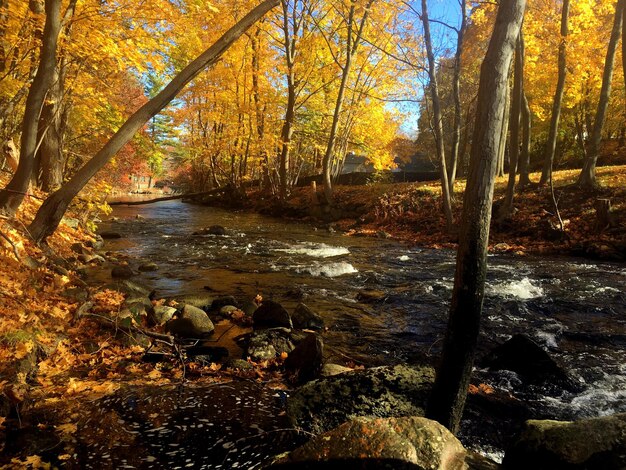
456 90
50 156
524 161
12 196
587 178
438 120
49 215
514 124
558 97
453 374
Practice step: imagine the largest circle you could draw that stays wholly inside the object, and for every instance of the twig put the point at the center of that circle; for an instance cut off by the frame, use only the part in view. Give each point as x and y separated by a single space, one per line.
15 252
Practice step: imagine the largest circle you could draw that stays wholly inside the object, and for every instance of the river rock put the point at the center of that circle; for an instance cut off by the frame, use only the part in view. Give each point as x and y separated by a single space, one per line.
595 443
227 310
79 248
191 323
305 361
145 267
212 230
384 392
271 315
162 314
373 443
305 318
96 243
202 301
238 364
268 344
371 295
122 272
107 235
249 308
329 369
522 355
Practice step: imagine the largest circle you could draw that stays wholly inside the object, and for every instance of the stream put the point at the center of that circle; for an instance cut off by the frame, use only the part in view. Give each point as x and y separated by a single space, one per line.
575 309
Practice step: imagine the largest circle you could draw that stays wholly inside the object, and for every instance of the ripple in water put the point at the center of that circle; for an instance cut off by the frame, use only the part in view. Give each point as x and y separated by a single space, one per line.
523 289
316 250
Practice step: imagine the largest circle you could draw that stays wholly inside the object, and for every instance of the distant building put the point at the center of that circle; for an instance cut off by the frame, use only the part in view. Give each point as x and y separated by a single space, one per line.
356 164
140 183
417 163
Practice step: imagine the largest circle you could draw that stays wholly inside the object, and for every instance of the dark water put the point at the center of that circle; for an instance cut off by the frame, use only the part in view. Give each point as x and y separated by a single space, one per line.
575 309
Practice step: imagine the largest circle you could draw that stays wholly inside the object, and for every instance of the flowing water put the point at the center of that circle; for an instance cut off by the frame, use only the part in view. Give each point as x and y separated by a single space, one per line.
574 309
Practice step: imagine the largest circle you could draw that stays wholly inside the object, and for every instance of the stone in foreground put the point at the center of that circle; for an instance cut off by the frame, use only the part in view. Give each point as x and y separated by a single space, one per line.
372 443
595 443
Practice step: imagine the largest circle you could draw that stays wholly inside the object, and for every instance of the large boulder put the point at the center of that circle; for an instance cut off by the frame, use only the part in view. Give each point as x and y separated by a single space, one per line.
373 443
192 322
382 392
271 315
522 355
305 318
595 443
305 361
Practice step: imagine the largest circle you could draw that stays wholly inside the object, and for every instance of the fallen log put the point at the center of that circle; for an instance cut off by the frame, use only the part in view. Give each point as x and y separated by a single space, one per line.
167 198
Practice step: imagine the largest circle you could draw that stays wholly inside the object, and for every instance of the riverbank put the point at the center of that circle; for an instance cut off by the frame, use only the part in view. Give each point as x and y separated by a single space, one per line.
411 212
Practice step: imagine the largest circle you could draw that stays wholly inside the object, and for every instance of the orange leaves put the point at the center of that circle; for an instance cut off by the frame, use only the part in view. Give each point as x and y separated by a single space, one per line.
107 301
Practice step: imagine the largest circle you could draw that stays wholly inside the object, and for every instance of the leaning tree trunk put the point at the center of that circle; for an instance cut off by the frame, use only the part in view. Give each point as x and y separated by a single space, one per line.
12 196
587 178
453 374
438 124
514 124
546 174
49 215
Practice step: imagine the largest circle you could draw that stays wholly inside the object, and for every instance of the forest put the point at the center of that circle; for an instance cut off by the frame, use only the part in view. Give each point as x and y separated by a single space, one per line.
442 180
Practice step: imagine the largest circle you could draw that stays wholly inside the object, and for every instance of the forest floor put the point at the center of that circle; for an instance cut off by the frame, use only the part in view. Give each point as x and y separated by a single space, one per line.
412 212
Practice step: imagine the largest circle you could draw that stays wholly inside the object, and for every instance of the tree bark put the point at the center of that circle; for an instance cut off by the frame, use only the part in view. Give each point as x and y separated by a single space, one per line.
453 374
514 125
49 215
12 196
438 120
558 97
504 133
456 90
290 36
524 161
587 178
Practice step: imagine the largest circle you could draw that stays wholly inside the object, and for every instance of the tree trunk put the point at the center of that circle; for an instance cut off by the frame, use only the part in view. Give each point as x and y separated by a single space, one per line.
290 111
514 122
524 161
453 374
587 178
558 97
49 175
504 134
456 89
438 124
12 196
49 215
352 44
